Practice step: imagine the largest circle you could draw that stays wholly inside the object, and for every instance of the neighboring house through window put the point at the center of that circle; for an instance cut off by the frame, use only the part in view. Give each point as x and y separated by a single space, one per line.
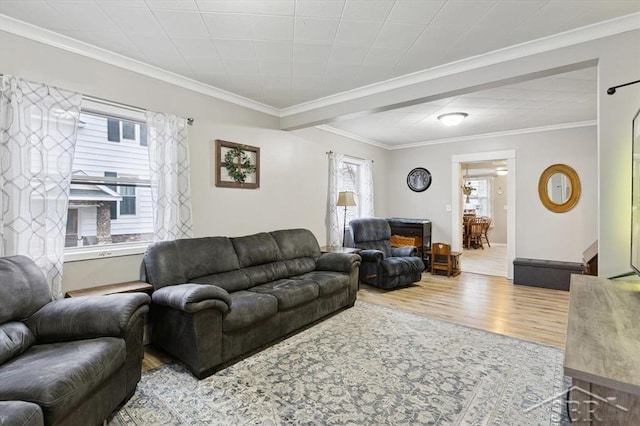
110 198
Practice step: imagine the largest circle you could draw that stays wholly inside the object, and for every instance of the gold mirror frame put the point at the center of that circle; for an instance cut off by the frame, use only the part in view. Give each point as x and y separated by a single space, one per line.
575 188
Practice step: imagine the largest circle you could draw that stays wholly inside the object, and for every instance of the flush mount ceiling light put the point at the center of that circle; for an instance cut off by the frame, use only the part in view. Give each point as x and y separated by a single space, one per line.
502 172
452 118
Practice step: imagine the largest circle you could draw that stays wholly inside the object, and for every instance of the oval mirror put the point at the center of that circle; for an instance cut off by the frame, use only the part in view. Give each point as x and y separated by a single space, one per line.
559 188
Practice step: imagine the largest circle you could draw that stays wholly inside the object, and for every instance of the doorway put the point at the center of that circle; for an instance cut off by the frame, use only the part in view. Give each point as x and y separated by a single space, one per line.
458 200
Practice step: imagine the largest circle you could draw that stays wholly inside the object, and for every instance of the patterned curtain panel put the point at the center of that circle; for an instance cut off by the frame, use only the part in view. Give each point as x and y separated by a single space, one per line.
366 187
169 164
38 128
334 232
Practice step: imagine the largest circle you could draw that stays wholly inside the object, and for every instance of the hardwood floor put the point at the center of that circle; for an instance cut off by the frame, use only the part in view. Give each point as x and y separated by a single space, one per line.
490 261
480 301
485 302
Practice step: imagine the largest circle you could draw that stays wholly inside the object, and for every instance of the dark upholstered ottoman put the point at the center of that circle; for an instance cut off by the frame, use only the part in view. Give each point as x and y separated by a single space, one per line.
544 273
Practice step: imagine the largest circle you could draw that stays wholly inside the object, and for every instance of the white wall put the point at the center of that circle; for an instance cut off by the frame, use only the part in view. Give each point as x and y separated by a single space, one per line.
498 231
619 63
539 233
293 165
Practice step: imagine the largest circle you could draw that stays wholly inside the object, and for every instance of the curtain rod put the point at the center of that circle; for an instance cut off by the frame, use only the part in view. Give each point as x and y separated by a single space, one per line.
612 90
190 120
350 156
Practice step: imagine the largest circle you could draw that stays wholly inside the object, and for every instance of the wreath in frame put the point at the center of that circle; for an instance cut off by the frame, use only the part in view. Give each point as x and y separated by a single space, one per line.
238 171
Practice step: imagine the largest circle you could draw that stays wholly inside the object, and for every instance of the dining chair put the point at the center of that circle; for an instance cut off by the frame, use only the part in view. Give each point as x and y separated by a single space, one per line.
474 232
485 229
443 259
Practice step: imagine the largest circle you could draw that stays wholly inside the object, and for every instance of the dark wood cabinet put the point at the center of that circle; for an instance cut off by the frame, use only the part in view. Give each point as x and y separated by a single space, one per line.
417 228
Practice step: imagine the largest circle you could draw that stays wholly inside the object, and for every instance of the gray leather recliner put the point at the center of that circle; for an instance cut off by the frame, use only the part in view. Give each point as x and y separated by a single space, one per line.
384 266
68 361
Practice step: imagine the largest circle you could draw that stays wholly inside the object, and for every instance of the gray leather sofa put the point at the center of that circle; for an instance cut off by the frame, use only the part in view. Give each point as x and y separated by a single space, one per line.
69 361
217 298
384 266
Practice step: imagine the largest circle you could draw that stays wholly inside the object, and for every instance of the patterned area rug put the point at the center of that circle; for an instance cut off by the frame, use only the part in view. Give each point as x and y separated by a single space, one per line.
366 365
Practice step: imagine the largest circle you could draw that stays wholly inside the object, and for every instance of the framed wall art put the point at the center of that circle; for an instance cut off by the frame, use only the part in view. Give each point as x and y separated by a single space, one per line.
237 165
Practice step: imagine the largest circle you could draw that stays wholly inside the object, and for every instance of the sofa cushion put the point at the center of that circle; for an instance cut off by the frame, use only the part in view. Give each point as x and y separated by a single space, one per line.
20 413
15 338
394 266
162 265
23 288
327 282
289 292
372 234
205 256
230 281
57 376
256 249
295 243
248 308
268 272
299 266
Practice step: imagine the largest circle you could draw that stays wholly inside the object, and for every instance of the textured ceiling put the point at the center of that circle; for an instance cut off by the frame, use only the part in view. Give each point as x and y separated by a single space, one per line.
285 52
551 101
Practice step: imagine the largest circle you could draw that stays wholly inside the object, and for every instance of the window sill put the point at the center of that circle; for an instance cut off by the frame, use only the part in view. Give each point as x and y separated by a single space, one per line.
103 252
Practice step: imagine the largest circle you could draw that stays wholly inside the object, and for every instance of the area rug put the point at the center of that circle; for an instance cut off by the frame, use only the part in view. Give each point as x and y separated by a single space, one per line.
366 365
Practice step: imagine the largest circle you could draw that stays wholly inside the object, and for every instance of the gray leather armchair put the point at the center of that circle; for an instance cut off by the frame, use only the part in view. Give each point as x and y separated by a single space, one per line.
69 361
384 266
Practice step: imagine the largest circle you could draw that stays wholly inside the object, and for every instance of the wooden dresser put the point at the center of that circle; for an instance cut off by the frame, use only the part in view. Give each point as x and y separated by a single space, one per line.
602 355
417 228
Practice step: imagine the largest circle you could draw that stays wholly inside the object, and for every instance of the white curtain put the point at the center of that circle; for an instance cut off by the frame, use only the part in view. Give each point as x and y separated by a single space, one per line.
334 232
169 165
366 189
38 129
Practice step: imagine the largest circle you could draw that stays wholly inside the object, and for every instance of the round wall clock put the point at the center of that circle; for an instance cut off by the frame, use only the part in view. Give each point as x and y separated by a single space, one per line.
419 179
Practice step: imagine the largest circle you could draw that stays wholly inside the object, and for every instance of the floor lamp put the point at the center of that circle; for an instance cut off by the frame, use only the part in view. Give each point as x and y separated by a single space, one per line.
345 199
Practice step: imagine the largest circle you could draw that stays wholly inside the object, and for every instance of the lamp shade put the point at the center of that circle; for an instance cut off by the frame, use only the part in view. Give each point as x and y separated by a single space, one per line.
346 199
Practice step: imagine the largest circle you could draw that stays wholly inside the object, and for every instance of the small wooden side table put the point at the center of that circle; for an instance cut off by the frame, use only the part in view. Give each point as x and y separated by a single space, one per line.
348 250
127 287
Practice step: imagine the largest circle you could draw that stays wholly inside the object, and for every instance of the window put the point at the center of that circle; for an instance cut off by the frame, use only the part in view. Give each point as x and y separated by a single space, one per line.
349 180
110 197
128 203
113 130
143 135
113 205
479 199
128 130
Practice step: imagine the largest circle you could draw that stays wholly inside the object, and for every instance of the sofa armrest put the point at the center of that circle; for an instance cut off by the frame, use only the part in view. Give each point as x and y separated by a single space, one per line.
375 256
404 251
20 413
337 262
87 317
193 297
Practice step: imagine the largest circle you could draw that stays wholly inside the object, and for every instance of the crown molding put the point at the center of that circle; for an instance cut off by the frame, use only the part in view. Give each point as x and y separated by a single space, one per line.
498 134
568 38
23 29
346 134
